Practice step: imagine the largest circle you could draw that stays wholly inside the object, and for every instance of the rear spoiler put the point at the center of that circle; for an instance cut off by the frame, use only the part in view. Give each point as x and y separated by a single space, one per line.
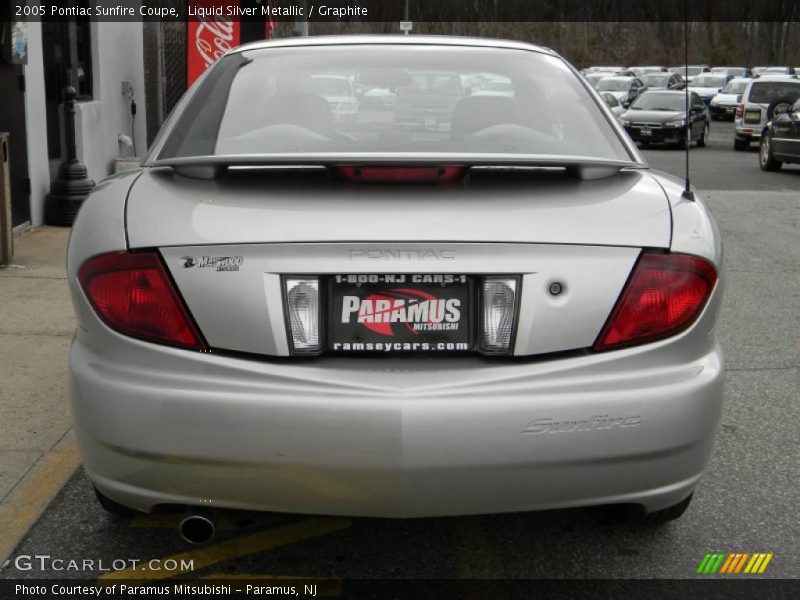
212 167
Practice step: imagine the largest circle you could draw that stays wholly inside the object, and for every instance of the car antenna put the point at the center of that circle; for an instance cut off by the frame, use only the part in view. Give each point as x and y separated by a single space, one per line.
687 190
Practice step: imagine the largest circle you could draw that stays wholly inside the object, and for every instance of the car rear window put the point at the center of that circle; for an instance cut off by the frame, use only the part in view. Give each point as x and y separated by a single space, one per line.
735 87
708 81
446 99
764 92
656 79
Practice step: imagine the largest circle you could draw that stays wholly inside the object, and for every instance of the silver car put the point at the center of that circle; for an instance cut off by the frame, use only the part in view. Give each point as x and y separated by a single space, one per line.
757 108
278 312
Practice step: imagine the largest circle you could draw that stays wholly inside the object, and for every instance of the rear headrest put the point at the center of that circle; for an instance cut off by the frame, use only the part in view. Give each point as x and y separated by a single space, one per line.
475 113
304 109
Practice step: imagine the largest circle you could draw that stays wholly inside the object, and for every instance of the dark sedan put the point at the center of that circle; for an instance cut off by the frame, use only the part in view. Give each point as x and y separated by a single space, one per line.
780 140
660 116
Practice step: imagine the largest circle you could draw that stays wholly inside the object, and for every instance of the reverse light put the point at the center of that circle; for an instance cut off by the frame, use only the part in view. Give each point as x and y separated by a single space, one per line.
664 295
302 308
132 293
498 307
739 111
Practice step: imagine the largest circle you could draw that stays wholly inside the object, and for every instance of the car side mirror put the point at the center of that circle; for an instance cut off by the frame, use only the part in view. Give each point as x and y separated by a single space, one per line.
626 103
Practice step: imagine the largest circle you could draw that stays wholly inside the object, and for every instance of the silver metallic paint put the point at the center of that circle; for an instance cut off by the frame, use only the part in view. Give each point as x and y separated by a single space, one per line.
404 436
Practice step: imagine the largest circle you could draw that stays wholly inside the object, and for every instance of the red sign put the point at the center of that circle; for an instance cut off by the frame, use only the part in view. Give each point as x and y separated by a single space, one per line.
209 36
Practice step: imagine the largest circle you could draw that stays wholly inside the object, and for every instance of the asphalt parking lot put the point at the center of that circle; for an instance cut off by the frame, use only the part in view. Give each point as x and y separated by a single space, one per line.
747 501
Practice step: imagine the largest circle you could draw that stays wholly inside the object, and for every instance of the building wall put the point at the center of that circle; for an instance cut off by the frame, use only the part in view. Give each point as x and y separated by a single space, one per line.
117 56
38 166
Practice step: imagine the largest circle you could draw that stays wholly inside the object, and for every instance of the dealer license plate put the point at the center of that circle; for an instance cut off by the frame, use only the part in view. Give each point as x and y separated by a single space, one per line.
400 313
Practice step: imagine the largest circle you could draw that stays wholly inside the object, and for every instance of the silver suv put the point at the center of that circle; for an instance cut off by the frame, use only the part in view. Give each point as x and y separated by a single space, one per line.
758 104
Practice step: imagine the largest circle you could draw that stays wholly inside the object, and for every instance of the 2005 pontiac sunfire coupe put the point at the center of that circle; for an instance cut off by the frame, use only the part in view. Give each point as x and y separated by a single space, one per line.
464 301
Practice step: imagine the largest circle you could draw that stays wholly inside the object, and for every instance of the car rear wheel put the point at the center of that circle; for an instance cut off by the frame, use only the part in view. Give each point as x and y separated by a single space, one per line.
740 144
766 159
638 516
703 139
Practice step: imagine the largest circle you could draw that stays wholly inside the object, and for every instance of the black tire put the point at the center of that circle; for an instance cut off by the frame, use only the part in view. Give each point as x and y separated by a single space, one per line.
701 141
657 517
741 144
766 159
113 507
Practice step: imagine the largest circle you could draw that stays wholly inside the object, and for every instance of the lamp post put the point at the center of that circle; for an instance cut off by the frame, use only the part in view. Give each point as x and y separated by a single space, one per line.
72 185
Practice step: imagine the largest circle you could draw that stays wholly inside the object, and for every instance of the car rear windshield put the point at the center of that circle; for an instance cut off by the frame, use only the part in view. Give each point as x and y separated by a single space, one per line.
656 79
711 81
446 99
656 101
735 87
764 92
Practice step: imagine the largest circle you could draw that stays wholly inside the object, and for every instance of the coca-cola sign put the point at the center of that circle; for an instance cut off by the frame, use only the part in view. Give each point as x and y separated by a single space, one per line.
208 37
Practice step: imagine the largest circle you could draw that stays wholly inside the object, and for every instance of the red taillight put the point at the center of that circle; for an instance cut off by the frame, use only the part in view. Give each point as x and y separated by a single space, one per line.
132 294
739 111
399 174
664 295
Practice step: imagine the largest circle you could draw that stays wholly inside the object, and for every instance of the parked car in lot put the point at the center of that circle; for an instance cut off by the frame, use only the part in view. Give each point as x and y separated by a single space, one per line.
626 89
663 81
613 103
691 71
735 71
787 71
509 313
723 105
640 71
780 140
660 116
338 93
606 69
378 98
429 102
757 107
709 85
594 78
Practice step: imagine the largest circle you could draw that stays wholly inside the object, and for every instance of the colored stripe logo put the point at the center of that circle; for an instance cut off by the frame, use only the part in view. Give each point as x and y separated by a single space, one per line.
734 562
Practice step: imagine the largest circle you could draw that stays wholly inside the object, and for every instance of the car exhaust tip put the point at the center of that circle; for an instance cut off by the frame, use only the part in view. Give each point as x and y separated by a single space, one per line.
198 528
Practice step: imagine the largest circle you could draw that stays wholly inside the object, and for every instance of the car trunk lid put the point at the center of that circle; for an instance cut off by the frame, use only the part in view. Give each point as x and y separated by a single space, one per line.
257 205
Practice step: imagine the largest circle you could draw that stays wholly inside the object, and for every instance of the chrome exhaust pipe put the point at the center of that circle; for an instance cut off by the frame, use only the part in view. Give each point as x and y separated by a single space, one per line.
198 526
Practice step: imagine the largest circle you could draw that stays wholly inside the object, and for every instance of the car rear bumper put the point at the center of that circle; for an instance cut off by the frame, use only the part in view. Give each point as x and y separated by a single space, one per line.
722 110
397 437
672 135
750 132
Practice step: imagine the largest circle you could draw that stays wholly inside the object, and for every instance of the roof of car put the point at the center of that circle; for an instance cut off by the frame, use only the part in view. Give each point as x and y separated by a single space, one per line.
434 40
662 91
781 78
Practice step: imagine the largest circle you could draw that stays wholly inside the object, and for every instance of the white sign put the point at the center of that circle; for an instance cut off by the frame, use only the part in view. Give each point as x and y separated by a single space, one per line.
406 25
